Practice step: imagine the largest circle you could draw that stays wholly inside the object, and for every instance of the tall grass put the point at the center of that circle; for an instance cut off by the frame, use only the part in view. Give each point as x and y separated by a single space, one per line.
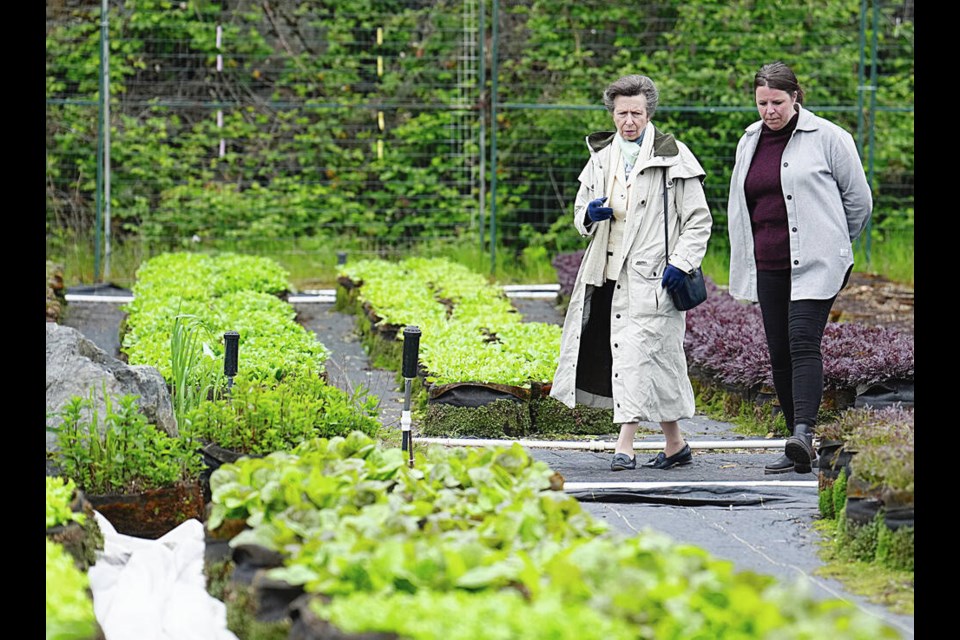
193 379
890 255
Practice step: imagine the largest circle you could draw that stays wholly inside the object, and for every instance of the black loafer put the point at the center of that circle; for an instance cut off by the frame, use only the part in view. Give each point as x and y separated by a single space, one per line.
663 461
622 462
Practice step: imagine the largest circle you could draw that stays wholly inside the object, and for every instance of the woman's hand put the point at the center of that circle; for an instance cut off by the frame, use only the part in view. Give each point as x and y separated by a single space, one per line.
672 278
597 212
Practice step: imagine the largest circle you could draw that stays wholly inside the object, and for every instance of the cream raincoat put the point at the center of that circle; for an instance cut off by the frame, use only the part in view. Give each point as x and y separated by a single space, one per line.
649 375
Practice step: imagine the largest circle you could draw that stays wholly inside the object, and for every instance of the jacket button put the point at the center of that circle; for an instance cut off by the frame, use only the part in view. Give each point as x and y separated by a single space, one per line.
618 316
786 164
616 375
789 197
618 286
616 345
641 173
794 229
796 262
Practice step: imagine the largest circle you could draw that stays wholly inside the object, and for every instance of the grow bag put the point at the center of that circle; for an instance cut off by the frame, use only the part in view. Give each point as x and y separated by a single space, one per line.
270 598
865 501
306 625
862 511
213 457
152 513
475 394
82 541
885 394
832 458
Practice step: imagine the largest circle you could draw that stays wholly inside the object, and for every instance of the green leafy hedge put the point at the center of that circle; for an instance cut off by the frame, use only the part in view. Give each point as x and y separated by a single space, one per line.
308 155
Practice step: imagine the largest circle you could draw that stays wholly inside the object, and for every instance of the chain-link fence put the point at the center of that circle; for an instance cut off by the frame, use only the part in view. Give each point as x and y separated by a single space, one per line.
300 129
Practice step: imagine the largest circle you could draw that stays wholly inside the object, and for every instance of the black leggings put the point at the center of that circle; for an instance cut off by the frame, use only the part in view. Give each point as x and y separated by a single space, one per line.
794 331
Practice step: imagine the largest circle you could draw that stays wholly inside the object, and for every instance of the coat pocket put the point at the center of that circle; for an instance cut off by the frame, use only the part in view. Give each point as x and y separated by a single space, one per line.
646 294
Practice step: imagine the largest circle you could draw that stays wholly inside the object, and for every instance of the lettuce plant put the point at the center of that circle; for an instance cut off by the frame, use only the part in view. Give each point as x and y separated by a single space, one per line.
60 492
437 548
70 614
470 330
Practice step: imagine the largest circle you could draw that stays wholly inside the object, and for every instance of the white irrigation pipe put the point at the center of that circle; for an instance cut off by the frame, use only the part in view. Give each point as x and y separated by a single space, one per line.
598 445
75 297
587 486
545 291
546 295
532 287
318 297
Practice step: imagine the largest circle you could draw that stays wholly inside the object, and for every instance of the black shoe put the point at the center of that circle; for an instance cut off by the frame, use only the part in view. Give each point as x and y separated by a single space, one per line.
783 464
662 461
622 462
799 448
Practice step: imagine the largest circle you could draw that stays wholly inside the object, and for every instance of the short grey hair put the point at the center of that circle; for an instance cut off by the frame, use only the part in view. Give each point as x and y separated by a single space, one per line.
633 85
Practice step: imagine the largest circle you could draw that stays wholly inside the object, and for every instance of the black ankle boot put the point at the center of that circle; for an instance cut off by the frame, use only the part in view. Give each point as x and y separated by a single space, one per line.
799 448
783 464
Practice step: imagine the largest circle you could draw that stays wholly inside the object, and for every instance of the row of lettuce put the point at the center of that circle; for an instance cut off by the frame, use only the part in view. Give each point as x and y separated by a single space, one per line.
482 543
478 543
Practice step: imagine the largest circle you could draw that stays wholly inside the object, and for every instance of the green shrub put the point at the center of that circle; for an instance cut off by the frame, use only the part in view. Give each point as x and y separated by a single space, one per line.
257 417
885 449
859 541
895 548
839 491
825 503
124 453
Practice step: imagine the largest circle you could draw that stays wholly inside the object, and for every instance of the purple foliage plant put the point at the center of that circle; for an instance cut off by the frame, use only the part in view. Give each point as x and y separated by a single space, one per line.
725 341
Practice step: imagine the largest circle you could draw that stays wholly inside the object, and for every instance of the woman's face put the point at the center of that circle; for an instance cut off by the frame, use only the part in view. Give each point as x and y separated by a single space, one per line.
630 116
775 106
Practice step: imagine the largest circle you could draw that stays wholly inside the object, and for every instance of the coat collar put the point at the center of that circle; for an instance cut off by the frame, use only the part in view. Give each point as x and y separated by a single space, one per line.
664 144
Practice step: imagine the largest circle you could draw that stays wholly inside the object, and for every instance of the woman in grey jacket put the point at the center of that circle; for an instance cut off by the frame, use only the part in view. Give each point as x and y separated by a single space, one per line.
622 342
798 200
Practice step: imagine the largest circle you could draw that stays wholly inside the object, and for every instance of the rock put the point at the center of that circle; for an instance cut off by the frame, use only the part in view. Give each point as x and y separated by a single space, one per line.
76 367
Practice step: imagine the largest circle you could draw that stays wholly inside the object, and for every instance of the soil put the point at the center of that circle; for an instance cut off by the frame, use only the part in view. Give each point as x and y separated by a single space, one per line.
875 301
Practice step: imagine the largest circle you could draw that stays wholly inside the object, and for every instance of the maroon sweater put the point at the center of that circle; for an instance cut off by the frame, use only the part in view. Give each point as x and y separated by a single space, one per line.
768 212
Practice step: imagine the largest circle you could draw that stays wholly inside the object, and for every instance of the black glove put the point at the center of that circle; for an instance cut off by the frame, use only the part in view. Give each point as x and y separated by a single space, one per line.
596 212
672 278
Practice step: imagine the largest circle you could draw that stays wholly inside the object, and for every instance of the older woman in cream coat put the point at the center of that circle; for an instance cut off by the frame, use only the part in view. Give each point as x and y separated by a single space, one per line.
622 343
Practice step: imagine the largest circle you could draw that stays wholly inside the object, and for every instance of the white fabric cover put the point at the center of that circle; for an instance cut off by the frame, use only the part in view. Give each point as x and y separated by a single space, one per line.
155 589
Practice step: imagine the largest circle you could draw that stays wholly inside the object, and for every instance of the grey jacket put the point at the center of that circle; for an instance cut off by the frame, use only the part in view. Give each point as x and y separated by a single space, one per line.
828 205
649 374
